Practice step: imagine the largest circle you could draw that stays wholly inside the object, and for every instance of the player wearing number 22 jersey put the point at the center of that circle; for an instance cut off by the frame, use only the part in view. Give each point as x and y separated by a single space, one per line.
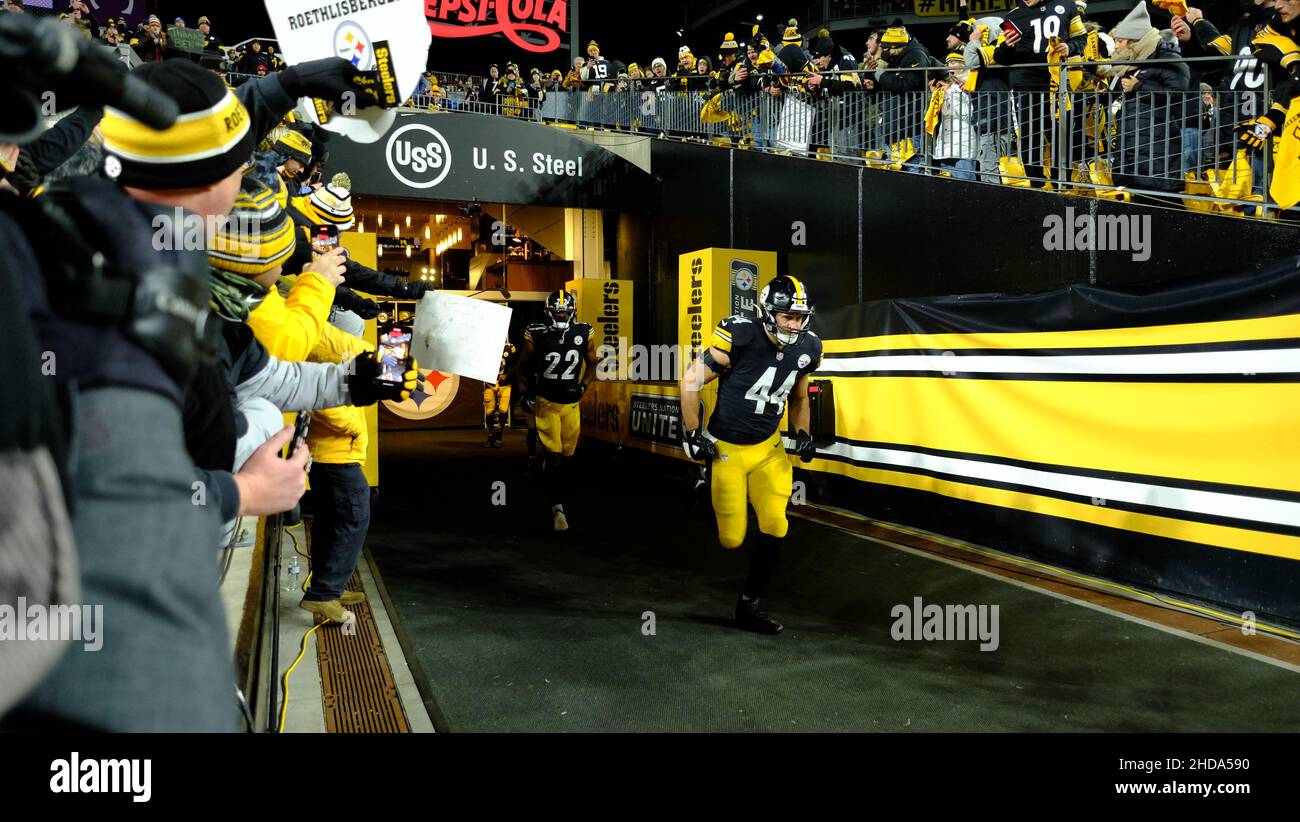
552 372
762 366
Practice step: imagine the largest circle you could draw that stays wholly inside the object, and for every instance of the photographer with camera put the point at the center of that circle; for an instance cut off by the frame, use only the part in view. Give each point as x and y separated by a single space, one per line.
123 310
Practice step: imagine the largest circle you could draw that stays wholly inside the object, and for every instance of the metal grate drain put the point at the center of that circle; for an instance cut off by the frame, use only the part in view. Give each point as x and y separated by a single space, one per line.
356 681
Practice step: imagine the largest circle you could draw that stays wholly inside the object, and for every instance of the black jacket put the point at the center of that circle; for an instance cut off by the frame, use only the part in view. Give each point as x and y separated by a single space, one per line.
914 56
1149 123
839 83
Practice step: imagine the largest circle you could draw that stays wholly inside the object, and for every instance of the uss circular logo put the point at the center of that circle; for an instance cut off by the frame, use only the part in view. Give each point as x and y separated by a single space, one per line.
418 155
353 44
431 396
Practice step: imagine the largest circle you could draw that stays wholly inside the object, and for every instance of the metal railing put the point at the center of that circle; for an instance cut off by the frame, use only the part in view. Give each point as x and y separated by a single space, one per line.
1086 137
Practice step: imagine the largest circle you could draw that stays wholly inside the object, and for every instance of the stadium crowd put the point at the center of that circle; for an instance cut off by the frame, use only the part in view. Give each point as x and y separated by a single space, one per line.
1165 100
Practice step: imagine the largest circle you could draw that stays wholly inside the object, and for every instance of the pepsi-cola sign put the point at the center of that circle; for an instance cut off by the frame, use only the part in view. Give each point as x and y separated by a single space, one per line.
543 20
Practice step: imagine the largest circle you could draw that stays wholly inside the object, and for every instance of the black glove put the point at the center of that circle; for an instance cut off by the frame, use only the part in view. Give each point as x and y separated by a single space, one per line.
803 446
363 388
698 447
332 79
349 300
528 403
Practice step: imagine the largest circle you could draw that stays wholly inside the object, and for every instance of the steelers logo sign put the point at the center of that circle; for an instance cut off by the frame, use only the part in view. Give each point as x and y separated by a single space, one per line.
744 279
432 394
353 44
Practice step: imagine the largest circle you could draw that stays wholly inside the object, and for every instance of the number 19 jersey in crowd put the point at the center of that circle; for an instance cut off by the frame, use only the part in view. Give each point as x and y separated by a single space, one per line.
752 393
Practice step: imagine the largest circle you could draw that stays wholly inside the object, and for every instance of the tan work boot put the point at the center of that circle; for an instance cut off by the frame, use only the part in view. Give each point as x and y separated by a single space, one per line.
331 609
352 597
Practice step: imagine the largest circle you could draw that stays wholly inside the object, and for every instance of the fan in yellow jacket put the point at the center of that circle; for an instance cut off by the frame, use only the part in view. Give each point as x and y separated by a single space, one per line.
296 327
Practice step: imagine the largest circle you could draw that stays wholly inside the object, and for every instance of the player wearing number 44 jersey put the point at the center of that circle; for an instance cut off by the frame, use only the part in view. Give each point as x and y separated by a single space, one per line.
761 366
553 379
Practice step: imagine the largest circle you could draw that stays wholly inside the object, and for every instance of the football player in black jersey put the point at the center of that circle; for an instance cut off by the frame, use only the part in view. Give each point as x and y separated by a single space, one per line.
496 398
761 365
553 381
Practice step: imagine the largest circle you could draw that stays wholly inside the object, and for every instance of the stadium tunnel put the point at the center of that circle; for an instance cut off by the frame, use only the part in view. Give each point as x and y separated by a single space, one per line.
1104 451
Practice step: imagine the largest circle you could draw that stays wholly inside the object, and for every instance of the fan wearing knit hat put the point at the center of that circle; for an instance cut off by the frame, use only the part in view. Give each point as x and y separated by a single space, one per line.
248 252
145 347
959 35
792 35
828 57
1147 136
685 76
332 204
327 204
732 70
246 258
204 149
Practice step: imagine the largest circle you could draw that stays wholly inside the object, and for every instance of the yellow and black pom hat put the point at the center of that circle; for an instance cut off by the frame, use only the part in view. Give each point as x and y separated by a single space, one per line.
210 139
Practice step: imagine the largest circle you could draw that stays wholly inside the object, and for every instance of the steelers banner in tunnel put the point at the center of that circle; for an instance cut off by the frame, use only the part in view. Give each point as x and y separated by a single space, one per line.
606 305
1148 436
714 283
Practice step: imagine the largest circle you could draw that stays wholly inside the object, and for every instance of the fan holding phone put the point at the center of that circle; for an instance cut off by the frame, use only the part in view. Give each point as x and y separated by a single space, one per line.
1029 30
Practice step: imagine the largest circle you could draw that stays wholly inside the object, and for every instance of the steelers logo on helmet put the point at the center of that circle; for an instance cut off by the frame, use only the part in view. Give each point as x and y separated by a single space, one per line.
785 295
560 308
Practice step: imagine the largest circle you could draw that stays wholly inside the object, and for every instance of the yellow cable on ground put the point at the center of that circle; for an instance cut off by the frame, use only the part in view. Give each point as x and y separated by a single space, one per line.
302 649
1051 569
284 685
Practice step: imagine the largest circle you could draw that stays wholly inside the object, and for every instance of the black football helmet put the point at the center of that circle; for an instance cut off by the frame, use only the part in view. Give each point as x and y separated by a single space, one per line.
560 309
786 295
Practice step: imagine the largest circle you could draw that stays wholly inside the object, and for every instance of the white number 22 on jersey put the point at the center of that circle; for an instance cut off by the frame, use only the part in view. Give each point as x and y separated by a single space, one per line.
571 357
761 392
